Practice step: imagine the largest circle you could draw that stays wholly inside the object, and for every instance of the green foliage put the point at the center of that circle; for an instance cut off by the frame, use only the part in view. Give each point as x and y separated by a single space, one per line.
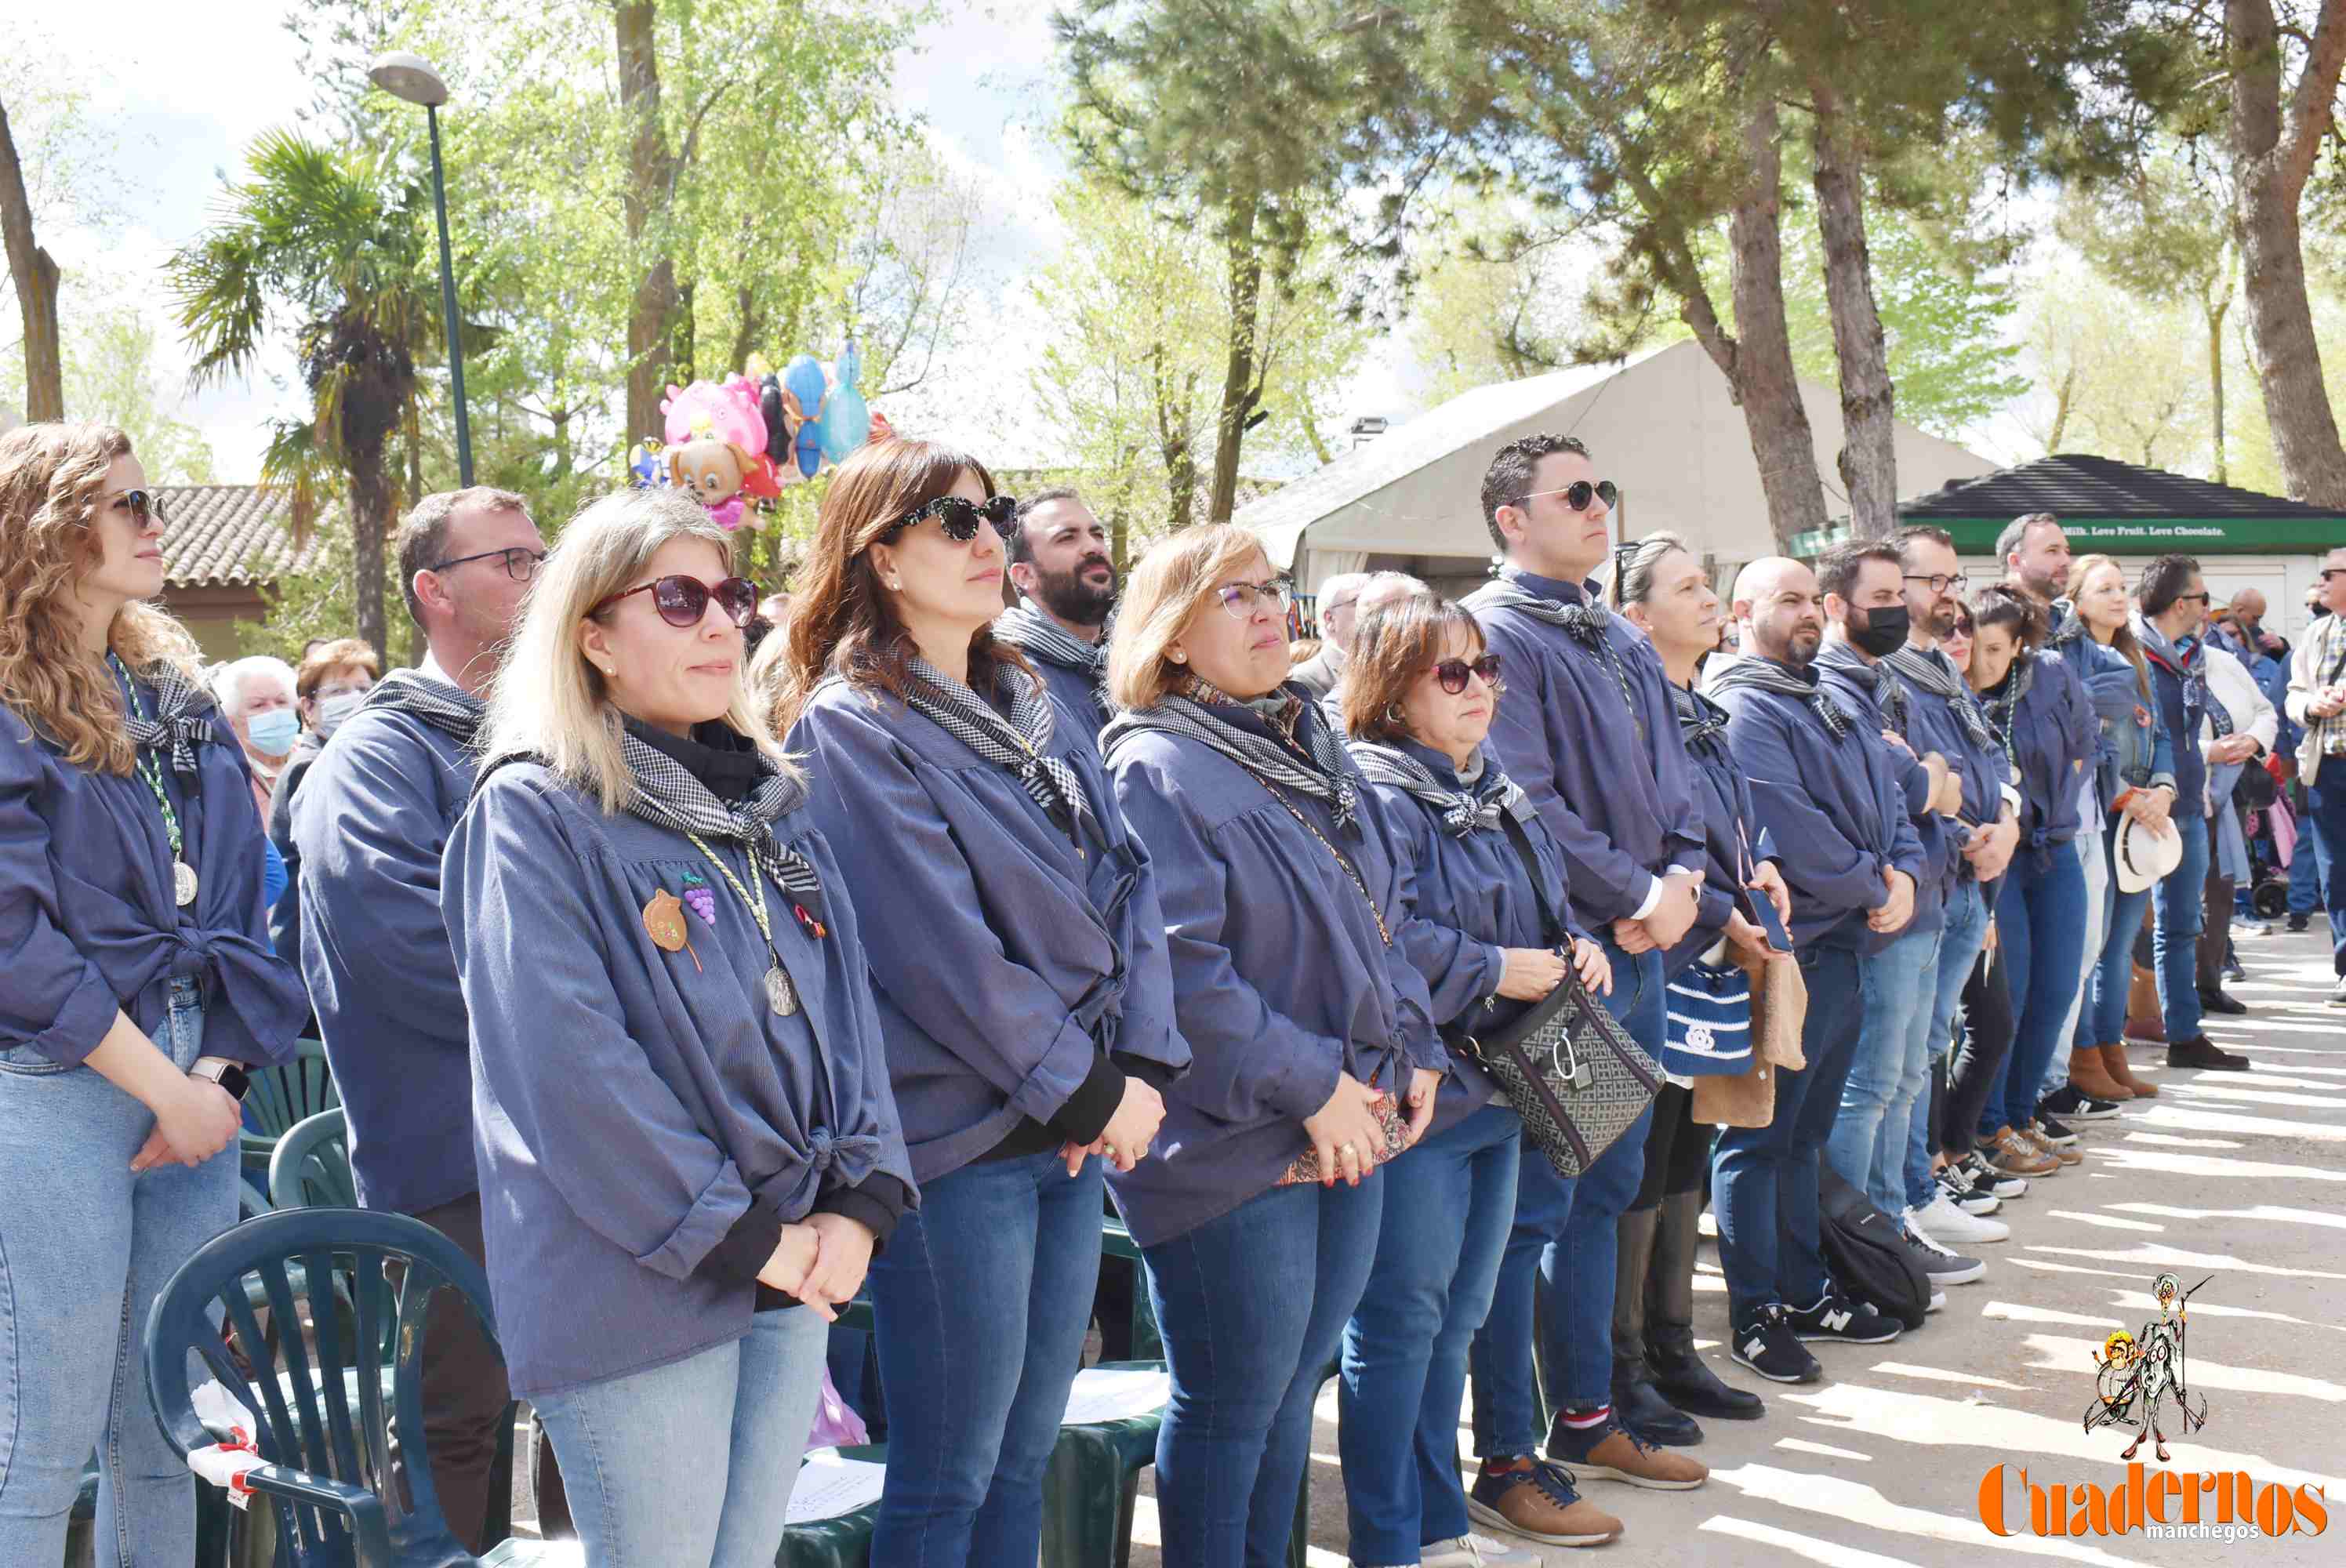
110 375
321 601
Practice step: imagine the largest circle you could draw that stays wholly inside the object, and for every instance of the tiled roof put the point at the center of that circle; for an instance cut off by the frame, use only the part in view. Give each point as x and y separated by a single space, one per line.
219 535
2071 485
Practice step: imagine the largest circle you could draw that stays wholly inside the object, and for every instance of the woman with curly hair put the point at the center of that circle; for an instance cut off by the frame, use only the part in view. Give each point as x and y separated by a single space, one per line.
140 986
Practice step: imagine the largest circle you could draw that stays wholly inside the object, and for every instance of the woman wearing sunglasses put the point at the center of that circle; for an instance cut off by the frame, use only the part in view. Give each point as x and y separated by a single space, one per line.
1022 983
684 1112
140 988
1419 692
1316 1054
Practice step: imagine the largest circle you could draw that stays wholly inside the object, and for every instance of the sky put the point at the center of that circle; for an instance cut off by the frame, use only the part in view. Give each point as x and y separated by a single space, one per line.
187 87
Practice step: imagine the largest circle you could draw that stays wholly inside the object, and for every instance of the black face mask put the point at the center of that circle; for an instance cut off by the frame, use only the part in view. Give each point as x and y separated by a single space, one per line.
1885 631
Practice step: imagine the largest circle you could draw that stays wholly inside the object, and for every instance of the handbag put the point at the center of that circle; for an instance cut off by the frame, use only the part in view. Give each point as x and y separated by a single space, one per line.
1572 1071
1709 1030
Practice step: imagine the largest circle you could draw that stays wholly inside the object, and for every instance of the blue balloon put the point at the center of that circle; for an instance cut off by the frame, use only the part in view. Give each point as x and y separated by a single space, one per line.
846 418
802 379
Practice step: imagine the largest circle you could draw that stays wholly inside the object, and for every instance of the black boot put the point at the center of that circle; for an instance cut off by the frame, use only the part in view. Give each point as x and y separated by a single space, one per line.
1677 1368
1637 1404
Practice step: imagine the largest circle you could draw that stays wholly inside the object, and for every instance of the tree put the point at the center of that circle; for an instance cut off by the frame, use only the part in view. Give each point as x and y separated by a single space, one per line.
2120 376
337 240
111 377
34 275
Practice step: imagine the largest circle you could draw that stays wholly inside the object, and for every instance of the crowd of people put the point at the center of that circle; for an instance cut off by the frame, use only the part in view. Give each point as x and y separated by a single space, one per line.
699 991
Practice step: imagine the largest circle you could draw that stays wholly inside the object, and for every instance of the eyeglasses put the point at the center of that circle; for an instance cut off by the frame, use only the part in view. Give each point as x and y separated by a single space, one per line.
2326 572
1941 582
1576 493
959 517
521 563
2187 598
1452 672
1240 599
145 506
681 601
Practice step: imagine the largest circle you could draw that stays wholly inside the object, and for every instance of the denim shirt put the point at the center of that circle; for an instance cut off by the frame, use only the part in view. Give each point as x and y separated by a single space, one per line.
1836 811
630 1104
1280 974
2127 754
1611 782
1009 962
88 922
2049 741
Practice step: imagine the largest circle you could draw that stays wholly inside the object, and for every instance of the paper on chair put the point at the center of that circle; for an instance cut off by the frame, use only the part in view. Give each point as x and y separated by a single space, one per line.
828 1486
1114 1394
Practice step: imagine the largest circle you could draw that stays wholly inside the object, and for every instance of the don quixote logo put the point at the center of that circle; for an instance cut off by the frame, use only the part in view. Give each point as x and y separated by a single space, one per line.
2139 1376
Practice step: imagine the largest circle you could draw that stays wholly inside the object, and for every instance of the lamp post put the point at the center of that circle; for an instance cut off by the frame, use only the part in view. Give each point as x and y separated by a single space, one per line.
412 77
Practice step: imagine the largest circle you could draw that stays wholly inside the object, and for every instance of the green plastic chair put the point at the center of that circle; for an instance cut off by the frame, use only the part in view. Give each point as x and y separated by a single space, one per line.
312 1165
841 1542
279 1097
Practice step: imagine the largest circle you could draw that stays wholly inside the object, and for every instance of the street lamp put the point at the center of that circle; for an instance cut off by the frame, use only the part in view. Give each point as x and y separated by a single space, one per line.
412 77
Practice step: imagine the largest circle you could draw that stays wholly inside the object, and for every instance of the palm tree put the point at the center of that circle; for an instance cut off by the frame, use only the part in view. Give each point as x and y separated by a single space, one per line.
337 237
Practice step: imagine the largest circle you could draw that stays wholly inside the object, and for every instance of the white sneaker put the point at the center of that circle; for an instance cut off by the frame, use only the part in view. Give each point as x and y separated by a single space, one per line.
1943 1222
1476 1551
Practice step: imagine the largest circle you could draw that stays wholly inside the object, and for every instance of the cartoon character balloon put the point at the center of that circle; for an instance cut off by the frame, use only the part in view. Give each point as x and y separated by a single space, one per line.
846 418
804 387
816 414
717 446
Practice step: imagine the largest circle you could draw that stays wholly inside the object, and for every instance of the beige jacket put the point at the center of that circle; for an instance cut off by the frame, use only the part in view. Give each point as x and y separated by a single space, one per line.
2314 663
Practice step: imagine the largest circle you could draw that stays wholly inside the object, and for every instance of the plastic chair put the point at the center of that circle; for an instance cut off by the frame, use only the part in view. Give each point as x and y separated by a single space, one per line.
328 1474
312 1165
277 1098
841 1542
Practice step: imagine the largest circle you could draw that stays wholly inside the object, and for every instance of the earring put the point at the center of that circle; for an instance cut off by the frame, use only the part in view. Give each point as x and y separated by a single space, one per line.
1177 656
895 583
1393 717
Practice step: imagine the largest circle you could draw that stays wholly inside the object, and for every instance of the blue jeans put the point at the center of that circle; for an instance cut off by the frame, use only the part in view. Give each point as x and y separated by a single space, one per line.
1252 1306
2103 1021
1764 1179
1959 949
86 1245
692 1461
2178 904
1449 1204
2093 861
2326 807
2307 879
1557 1274
2041 939
1899 985
979 1309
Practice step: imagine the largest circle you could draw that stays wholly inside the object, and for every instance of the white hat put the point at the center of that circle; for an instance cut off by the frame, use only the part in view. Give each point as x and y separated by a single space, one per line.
2145 855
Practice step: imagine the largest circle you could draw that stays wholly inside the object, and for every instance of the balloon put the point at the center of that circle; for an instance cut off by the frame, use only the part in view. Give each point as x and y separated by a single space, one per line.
846 418
802 382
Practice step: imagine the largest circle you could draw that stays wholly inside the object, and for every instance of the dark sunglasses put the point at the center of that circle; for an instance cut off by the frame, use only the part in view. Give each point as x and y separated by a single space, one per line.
521 563
145 506
958 517
681 601
1452 672
1577 494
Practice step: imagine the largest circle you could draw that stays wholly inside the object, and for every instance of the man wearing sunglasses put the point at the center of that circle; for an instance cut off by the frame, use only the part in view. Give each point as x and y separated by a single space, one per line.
1588 732
371 819
1067 584
2317 700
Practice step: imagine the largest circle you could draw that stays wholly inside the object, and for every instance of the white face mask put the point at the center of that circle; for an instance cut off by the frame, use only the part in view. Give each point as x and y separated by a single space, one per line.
333 710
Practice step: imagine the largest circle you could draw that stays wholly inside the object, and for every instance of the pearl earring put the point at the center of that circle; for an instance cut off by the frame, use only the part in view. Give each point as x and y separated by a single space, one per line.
1180 658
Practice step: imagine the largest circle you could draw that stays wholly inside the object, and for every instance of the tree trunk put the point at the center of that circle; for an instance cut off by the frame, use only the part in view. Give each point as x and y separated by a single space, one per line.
373 503
36 277
1869 454
2272 153
2063 400
651 314
745 331
1758 362
1239 394
2217 309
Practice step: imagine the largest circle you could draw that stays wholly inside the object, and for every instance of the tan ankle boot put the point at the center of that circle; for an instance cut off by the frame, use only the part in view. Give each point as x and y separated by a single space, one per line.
2114 1060
2087 1075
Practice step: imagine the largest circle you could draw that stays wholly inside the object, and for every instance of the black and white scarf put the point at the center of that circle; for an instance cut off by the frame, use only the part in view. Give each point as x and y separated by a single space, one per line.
1767 675
666 795
2190 667
452 710
1889 696
182 719
1700 720
1482 802
1021 743
1937 678
1999 705
2068 627
1038 635
1590 624
1324 778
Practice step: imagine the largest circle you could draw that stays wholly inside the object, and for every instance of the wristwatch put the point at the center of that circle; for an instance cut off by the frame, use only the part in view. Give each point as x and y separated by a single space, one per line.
221 1071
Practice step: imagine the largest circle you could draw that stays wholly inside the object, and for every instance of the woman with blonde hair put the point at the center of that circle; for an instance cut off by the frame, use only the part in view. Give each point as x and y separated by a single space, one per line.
140 986
682 1109
1316 1056
1022 983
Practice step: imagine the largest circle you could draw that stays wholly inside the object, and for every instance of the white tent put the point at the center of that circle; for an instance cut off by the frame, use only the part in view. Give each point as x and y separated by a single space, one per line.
1663 427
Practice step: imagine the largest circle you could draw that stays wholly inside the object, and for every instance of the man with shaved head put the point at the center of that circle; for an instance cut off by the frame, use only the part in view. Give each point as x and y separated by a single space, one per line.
1835 805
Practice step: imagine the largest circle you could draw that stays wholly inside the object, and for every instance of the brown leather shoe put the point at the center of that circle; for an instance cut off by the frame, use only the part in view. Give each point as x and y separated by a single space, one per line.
2114 1061
1618 1456
2015 1155
1537 1501
2087 1075
2036 1140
